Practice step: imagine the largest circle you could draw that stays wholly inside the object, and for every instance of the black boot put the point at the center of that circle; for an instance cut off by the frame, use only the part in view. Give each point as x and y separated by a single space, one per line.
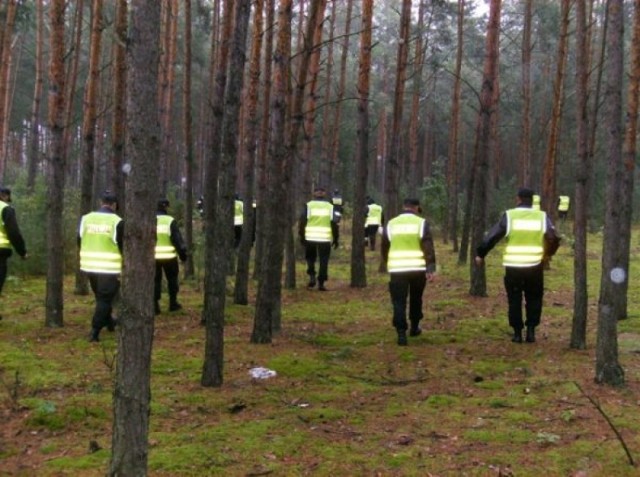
531 334
402 338
94 336
321 286
415 330
312 281
174 306
517 336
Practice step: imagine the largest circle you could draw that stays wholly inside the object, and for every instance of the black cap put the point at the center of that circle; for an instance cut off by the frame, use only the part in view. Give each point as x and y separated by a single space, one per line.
163 203
525 193
319 191
108 197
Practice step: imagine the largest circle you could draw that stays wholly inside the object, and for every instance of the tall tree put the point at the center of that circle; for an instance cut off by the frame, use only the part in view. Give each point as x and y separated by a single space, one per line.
581 196
482 161
241 291
608 369
6 51
132 387
189 155
222 238
269 280
56 162
454 129
358 270
89 124
524 171
34 140
549 170
392 165
411 171
119 100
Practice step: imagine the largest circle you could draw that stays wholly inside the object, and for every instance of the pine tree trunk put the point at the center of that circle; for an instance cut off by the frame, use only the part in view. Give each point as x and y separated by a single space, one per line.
608 369
488 100
34 140
55 182
119 89
189 158
132 387
524 170
358 261
5 54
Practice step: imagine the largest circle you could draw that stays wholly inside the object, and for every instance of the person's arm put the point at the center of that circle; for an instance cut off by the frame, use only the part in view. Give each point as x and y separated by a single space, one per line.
428 249
119 234
551 240
302 224
386 245
335 231
177 241
13 231
497 232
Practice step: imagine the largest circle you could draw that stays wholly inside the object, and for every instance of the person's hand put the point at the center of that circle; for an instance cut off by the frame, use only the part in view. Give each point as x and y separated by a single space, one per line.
479 261
431 276
335 244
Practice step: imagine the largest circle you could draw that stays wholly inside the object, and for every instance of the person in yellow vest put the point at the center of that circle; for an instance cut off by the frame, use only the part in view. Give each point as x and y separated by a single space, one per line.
318 231
563 206
531 240
169 246
10 236
100 240
407 247
535 202
238 221
338 205
375 219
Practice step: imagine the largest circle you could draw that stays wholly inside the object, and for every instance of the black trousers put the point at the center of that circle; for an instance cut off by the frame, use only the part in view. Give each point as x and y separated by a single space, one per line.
527 282
105 287
172 272
370 233
237 235
320 251
3 270
402 286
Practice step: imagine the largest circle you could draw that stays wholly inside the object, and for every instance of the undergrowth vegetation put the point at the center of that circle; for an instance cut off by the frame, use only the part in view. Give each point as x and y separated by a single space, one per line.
461 399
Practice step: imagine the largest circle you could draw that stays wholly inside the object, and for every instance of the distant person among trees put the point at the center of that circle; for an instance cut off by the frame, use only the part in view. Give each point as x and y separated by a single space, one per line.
238 221
531 241
318 230
338 205
535 202
169 246
375 219
10 236
407 247
100 241
563 206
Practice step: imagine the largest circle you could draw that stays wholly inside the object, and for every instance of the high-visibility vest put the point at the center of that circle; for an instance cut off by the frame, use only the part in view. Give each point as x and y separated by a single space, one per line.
319 216
535 203
374 217
4 238
164 248
99 251
563 205
525 237
337 200
405 234
238 217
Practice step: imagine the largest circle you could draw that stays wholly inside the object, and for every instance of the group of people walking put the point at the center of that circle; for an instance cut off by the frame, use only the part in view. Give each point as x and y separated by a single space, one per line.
407 248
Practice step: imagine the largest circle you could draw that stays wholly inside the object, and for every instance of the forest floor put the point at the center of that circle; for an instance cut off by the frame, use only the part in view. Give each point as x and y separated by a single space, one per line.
461 399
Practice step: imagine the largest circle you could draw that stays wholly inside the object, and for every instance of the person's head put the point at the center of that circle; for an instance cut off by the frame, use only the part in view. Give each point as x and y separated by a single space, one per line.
5 194
336 192
109 199
319 192
163 204
525 196
370 200
412 205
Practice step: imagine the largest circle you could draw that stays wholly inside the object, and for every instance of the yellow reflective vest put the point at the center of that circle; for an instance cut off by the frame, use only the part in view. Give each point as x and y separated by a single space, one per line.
525 237
4 238
99 251
563 204
164 248
319 217
238 216
374 217
405 253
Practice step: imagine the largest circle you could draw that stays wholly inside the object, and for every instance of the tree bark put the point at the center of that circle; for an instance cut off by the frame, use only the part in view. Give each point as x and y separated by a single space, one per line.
119 100
524 176
132 388
189 158
608 369
5 54
488 103
358 262
55 183
34 140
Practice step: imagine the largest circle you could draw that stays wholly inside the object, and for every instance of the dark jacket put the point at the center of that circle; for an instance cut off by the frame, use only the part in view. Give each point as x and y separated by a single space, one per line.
426 244
13 233
499 230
